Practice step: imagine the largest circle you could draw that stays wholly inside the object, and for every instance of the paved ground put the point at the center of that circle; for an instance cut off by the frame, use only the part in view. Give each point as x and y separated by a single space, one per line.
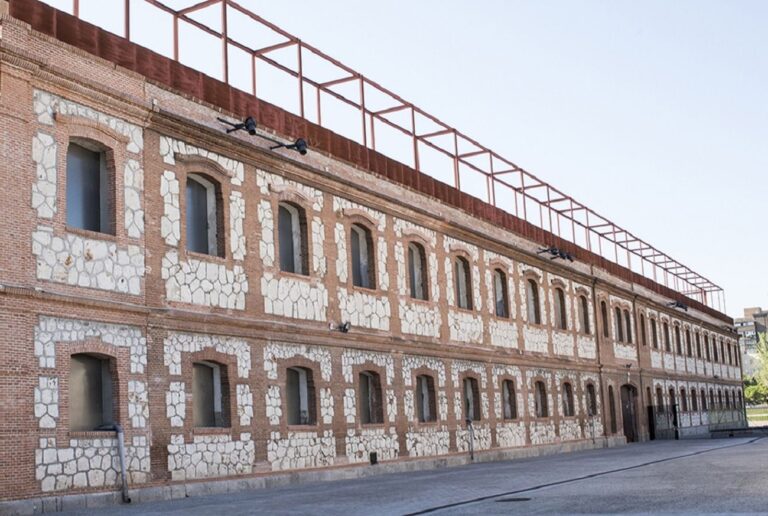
693 477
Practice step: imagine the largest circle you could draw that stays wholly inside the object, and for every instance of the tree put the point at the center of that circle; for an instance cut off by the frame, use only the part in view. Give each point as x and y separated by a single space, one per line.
756 386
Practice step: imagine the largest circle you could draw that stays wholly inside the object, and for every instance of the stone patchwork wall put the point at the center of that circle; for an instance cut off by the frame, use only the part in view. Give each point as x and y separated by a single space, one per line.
428 441
535 339
586 347
89 463
465 325
542 432
570 430
299 450
419 319
203 283
625 351
86 262
510 435
563 343
209 456
69 258
364 310
294 297
359 445
482 439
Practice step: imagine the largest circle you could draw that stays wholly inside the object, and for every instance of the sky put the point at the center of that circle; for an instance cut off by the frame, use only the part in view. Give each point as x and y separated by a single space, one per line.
652 113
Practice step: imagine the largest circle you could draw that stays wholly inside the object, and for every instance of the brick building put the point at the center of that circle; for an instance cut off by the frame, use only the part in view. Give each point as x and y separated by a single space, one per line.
194 287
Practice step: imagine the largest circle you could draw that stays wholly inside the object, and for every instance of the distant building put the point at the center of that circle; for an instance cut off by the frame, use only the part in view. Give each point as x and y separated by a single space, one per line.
754 322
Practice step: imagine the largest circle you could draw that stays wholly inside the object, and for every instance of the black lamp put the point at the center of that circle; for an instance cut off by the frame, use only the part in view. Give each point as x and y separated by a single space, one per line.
299 146
556 253
249 124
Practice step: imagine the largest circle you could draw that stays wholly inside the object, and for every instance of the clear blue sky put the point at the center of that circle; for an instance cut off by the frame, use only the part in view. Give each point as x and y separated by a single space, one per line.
653 113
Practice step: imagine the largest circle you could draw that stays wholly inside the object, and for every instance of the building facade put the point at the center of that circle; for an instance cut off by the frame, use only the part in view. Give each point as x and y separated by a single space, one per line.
243 312
749 328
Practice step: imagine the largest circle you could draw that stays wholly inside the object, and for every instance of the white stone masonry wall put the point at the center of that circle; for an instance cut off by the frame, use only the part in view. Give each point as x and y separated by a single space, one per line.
209 456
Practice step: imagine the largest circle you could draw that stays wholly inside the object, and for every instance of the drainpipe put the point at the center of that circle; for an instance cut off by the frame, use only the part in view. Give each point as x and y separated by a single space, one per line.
598 337
116 427
471 436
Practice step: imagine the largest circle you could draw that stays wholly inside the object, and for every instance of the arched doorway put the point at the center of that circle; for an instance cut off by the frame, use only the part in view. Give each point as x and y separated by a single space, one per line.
629 412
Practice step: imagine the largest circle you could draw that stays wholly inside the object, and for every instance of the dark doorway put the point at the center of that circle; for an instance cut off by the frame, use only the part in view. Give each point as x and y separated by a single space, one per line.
629 412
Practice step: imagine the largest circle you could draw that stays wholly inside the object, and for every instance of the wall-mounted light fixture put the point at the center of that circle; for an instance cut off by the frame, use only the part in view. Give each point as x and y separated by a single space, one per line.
342 327
678 304
556 253
249 124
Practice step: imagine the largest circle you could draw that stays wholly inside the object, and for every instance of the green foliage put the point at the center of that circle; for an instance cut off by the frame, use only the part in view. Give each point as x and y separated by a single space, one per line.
756 387
756 394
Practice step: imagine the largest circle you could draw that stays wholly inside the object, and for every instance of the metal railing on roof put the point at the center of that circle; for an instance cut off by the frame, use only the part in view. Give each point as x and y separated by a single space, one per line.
466 163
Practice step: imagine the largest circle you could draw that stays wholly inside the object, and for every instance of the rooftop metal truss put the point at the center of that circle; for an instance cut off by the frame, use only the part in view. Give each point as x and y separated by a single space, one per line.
324 85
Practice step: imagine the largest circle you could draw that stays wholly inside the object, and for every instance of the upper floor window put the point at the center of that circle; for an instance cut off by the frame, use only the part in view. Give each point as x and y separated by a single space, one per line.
688 345
591 400
363 258
667 344
425 398
561 318
500 297
209 395
722 351
643 338
509 401
90 392
628 323
90 202
532 299
417 270
654 334
678 343
471 399
659 398
292 238
683 400
698 345
204 217
703 400
371 407
706 348
617 325
463 283
584 314
604 317
714 350
694 401
568 410
540 399
300 396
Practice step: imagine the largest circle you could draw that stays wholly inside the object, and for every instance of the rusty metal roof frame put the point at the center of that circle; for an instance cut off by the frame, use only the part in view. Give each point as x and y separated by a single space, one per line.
533 200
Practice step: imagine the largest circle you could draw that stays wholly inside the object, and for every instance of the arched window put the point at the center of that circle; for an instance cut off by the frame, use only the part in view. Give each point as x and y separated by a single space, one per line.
584 315
371 406
618 325
463 283
300 397
712 399
628 322
667 344
698 345
730 355
540 399
210 395
90 188
612 408
363 257
678 343
684 400
694 401
688 345
500 296
532 298
654 334
591 400
292 238
561 320
715 357
642 330
706 348
417 271
509 401
727 399
425 398
604 317
568 410
741 399
204 215
659 398
722 351
703 400
672 398
90 392
471 399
